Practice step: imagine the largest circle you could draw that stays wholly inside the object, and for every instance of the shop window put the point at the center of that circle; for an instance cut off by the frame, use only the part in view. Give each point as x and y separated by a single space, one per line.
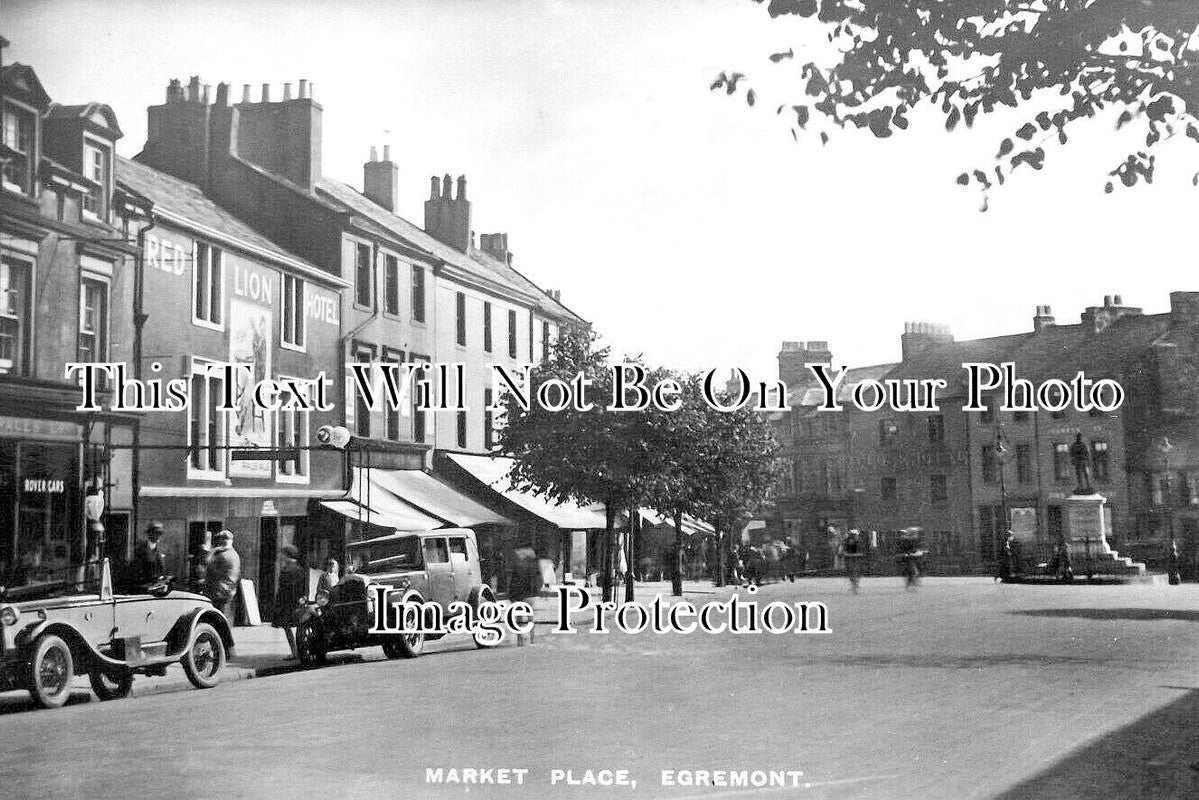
208 282
206 431
20 136
391 285
418 293
15 316
293 312
363 276
292 426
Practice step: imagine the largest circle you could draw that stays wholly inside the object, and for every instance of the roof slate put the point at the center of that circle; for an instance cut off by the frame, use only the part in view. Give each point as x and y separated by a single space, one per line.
189 201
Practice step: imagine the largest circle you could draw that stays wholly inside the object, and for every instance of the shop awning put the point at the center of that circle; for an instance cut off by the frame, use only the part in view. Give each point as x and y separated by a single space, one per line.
433 496
492 471
374 504
691 525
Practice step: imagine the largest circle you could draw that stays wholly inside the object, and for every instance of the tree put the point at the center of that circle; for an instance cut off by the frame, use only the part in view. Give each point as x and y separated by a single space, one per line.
743 468
1055 61
590 456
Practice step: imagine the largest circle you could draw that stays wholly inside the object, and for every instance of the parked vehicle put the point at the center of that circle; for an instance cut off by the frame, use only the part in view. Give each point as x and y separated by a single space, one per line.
440 566
55 630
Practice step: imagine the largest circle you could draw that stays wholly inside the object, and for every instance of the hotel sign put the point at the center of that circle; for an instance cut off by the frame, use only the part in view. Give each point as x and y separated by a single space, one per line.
26 428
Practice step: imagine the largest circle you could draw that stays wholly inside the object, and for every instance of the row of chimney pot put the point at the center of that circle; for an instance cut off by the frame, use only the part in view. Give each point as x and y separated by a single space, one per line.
194 92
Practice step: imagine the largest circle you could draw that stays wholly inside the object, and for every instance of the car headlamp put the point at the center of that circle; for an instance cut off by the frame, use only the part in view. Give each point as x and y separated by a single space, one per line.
9 615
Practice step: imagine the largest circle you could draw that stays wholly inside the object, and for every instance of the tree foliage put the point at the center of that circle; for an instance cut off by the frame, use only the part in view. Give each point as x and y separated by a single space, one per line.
1058 62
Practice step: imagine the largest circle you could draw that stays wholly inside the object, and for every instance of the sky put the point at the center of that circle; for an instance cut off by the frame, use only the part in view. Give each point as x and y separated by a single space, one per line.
683 224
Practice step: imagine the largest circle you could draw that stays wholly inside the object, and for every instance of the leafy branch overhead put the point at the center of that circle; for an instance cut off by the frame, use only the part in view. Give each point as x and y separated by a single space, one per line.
1059 61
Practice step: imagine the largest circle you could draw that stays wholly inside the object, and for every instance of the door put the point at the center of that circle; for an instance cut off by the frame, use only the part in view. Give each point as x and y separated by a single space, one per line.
437 567
268 567
464 566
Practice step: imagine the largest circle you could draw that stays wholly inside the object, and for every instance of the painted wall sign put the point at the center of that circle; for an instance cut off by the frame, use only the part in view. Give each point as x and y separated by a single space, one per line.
252 284
249 343
165 255
43 485
33 428
320 305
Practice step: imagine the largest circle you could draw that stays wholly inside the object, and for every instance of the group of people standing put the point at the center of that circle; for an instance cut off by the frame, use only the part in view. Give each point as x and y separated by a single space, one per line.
215 572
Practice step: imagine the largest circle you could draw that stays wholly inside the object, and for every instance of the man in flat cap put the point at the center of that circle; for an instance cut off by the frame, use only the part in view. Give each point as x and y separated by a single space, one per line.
291 595
224 571
149 564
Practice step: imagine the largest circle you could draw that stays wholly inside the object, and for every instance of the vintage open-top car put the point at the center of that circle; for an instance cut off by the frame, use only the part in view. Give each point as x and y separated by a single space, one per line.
439 566
54 630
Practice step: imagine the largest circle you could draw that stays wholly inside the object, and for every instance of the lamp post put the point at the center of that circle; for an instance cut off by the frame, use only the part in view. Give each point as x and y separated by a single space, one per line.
1001 450
1163 447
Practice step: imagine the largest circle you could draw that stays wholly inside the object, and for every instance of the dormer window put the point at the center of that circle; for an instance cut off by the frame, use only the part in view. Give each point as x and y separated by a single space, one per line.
97 167
17 158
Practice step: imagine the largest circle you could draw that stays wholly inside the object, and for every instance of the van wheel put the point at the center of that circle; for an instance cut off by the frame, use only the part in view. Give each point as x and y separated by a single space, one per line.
110 683
204 657
51 670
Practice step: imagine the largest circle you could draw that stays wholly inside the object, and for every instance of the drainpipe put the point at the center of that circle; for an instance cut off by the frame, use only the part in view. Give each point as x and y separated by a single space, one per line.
139 323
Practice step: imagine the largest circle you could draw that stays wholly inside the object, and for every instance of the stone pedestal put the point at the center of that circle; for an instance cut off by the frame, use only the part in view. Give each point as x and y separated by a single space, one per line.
1086 538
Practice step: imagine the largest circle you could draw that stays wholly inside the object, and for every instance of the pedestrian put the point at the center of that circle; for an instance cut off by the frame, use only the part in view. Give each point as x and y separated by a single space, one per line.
851 550
1175 564
224 571
328 579
524 584
1003 564
291 595
198 572
149 564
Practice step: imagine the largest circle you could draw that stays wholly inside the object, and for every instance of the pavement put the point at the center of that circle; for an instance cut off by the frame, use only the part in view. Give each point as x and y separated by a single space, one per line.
962 689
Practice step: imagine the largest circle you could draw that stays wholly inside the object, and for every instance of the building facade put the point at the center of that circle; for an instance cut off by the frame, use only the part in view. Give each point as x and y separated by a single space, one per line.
968 476
65 291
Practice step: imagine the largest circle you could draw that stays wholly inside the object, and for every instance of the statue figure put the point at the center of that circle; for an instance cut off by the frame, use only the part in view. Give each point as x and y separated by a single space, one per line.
1080 457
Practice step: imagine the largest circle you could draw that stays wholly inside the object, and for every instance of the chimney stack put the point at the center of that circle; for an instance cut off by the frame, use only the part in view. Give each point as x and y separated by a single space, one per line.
1097 318
918 336
1044 318
381 180
496 246
794 358
1184 309
447 218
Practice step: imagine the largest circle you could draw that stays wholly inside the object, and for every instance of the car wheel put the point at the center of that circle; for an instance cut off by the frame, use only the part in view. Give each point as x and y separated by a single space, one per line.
310 645
111 683
51 670
392 649
407 645
484 596
204 657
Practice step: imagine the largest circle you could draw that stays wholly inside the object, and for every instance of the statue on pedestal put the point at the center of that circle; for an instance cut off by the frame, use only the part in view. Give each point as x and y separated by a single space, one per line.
1080 457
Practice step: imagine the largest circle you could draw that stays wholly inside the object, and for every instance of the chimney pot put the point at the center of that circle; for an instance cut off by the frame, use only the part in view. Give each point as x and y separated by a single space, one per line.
266 93
1107 301
286 92
447 187
374 154
461 187
1118 300
303 87
387 152
222 94
433 193
245 92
